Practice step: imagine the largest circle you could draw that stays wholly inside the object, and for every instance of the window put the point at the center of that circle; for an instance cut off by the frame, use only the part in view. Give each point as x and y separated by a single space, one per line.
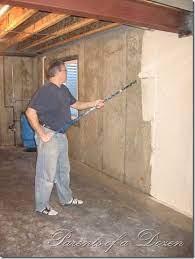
72 82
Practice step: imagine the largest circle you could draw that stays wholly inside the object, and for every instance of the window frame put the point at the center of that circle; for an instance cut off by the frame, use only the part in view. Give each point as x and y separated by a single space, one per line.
69 58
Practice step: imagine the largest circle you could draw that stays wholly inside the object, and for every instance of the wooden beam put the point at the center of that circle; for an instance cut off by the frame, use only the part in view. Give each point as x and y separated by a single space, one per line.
13 18
17 54
67 29
40 25
133 12
77 34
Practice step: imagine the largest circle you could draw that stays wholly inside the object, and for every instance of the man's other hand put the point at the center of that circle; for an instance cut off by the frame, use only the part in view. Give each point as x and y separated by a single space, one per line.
45 137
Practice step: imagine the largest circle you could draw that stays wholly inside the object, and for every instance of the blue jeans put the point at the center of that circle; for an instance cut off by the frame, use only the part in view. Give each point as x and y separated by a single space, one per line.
52 166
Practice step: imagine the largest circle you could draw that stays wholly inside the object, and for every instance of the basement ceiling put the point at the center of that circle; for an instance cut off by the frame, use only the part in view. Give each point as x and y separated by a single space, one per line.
28 31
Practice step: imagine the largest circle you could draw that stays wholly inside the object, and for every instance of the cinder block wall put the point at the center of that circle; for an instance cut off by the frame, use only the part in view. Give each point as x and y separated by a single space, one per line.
115 140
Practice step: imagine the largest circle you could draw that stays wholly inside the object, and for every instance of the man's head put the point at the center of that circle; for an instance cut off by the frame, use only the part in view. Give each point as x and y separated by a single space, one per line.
57 70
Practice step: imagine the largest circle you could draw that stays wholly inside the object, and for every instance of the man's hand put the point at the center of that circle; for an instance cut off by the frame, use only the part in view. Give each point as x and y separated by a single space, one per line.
99 103
86 105
34 121
45 137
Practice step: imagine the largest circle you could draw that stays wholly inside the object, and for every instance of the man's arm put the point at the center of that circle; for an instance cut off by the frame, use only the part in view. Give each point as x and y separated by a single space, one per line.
34 122
85 105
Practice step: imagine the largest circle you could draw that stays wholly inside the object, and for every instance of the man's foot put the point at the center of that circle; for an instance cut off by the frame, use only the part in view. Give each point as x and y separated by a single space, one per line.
74 201
50 212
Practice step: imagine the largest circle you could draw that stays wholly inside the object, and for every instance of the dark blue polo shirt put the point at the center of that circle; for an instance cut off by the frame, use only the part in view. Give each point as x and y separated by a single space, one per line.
52 104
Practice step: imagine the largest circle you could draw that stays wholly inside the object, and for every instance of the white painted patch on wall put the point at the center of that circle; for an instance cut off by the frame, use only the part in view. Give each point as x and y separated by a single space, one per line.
166 80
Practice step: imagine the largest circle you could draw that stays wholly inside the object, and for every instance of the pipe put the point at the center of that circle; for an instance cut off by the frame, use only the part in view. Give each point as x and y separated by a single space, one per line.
43 70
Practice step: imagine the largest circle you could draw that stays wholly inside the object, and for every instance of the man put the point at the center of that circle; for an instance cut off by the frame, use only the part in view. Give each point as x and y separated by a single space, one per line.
47 112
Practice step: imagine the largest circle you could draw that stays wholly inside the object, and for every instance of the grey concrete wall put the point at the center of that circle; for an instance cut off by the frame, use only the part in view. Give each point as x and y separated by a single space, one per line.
114 140
18 81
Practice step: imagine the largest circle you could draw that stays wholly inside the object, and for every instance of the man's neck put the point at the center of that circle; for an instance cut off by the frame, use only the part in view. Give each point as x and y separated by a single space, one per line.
56 82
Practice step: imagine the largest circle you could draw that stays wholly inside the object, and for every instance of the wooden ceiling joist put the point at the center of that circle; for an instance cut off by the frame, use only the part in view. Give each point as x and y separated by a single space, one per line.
13 18
77 24
140 13
98 26
40 25
66 22
17 54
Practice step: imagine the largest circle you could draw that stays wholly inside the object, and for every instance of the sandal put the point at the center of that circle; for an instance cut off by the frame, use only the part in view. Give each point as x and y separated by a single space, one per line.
74 201
50 212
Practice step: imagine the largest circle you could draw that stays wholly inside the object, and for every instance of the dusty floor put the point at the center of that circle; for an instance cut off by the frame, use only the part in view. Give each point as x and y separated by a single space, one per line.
112 213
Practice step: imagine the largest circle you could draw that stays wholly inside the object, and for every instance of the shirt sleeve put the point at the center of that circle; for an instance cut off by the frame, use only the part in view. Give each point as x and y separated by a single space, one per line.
72 98
37 101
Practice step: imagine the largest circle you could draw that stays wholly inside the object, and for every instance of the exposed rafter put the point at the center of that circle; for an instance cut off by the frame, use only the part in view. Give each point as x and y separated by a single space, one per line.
75 35
40 25
73 23
134 12
17 54
13 18
33 31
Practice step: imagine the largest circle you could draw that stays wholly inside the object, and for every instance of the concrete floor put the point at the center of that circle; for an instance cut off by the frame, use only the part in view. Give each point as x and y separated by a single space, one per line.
112 212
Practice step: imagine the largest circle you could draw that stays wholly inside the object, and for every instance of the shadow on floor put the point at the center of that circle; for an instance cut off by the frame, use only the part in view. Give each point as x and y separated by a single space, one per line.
113 221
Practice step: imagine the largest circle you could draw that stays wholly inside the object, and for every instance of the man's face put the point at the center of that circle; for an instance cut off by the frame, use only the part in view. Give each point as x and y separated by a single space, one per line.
62 74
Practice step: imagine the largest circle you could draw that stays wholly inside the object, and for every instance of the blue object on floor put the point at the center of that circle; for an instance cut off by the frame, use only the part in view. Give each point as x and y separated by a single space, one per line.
27 133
